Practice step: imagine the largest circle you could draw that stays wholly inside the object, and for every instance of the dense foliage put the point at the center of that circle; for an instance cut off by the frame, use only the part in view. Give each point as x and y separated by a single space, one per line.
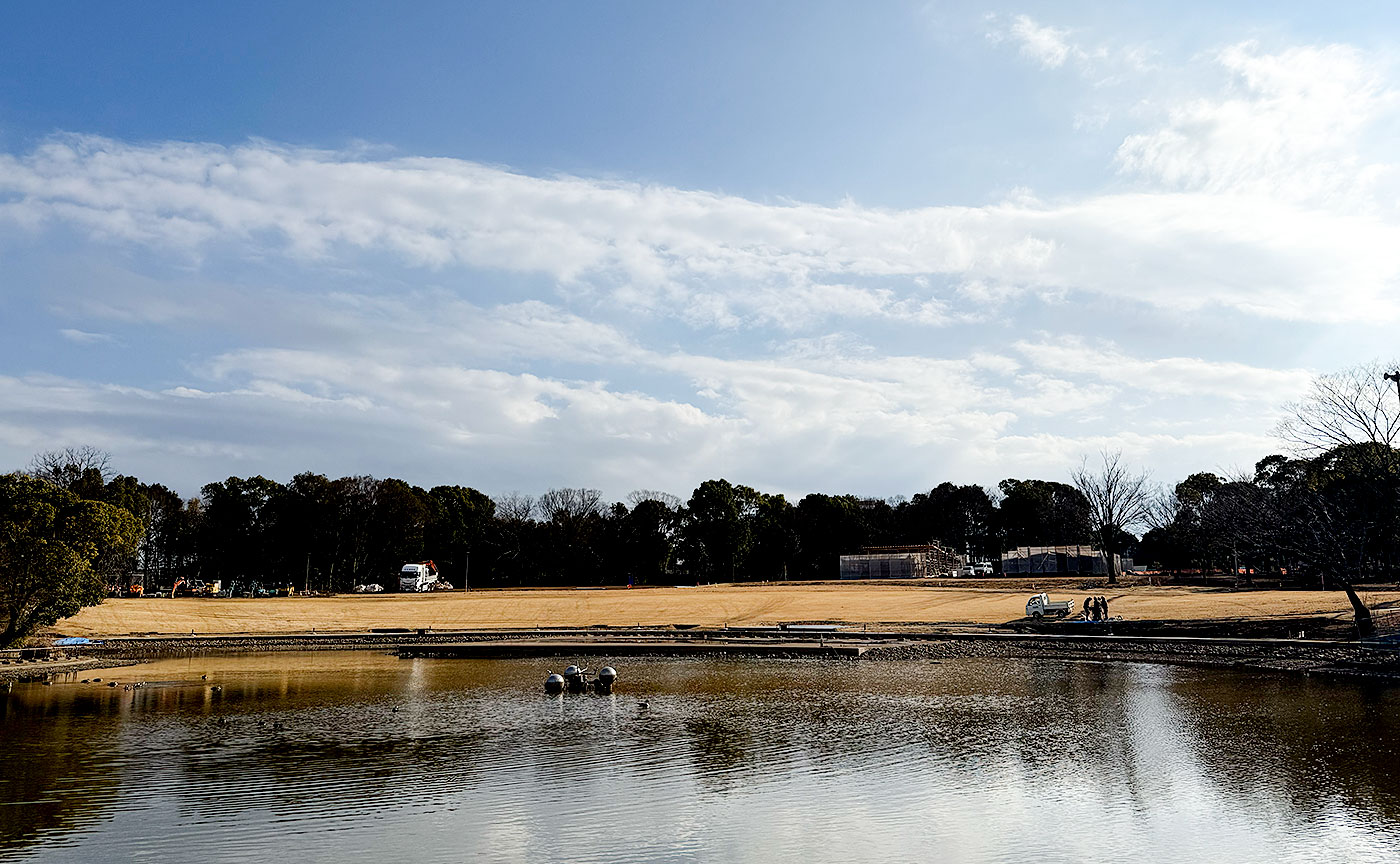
57 552
1334 515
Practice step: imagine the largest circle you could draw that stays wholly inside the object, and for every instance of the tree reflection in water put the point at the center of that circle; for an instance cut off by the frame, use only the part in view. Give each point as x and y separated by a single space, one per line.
367 755
58 757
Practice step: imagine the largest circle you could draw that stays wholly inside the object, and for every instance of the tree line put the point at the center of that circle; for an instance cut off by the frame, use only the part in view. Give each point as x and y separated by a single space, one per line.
1330 516
325 534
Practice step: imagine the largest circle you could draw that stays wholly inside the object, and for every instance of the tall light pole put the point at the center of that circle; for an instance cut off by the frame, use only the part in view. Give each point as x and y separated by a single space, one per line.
1394 376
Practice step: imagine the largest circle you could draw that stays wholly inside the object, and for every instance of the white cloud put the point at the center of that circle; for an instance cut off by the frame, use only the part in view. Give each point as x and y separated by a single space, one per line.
713 260
1289 126
830 414
1054 47
1173 376
83 337
1042 43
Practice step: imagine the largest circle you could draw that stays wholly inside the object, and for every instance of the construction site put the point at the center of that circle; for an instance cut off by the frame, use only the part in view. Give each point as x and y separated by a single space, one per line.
922 561
1074 560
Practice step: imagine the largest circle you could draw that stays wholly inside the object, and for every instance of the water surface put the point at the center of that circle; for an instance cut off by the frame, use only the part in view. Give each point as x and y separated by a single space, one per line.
350 756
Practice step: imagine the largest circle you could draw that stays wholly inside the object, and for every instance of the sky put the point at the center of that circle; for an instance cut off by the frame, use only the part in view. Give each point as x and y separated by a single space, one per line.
808 247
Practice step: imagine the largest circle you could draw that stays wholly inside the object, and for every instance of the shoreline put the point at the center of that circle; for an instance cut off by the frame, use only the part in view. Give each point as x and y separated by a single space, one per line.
1309 657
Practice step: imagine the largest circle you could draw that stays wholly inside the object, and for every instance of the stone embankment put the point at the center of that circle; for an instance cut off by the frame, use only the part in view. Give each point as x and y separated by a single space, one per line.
41 670
1292 655
1270 654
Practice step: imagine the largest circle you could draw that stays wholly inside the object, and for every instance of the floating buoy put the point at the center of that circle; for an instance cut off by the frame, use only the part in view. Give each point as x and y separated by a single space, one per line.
573 677
575 680
606 676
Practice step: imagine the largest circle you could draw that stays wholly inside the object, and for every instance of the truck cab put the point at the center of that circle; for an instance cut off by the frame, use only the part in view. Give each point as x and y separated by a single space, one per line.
1041 606
418 577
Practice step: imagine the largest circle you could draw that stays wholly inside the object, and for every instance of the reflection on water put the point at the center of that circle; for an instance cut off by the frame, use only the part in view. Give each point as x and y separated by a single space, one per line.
355 757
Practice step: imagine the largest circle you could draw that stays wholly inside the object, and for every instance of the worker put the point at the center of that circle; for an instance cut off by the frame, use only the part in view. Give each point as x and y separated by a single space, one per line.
1088 615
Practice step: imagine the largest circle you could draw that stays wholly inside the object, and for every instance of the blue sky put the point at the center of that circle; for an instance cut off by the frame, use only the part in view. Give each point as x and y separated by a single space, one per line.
808 247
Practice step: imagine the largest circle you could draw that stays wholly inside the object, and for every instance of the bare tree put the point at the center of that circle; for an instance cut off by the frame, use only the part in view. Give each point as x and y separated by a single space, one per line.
515 507
1163 509
1119 499
68 467
1351 420
666 498
1354 406
570 505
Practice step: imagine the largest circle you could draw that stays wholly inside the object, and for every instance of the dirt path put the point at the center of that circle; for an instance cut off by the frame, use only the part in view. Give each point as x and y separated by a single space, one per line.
716 605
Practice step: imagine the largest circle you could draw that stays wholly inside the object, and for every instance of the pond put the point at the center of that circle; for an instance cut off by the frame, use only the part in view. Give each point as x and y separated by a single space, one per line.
361 756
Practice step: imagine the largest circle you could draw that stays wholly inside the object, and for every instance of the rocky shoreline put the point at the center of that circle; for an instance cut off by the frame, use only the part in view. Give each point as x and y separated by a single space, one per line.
42 670
1298 656
1312 659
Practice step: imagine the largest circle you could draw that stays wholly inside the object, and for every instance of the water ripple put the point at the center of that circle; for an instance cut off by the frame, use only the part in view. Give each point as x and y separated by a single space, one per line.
365 757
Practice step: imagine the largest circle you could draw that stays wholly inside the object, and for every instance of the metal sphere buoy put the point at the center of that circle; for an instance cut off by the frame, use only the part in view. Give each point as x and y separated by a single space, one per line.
554 683
576 678
604 682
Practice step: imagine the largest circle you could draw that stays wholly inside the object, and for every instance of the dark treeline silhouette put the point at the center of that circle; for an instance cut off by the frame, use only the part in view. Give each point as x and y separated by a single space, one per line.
1333 515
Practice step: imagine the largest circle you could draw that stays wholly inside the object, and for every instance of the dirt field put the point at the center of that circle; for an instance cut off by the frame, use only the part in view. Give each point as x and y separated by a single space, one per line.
717 605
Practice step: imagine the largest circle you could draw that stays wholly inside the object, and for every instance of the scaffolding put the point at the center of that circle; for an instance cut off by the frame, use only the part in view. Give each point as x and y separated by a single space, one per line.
922 561
1069 560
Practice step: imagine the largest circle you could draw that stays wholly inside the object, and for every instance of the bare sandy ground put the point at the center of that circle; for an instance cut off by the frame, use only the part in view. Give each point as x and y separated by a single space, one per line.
716 605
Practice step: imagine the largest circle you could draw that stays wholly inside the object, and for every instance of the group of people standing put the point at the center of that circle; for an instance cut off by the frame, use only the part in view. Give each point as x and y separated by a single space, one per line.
1096 608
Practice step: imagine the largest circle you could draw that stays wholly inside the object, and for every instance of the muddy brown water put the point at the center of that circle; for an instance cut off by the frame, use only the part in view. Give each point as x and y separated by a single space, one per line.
361 756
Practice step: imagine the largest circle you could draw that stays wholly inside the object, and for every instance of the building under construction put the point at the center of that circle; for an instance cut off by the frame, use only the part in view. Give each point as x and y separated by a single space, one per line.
901 562
1059 561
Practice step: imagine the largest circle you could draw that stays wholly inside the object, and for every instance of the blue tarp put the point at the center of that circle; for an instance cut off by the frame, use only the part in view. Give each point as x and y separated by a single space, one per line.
74 640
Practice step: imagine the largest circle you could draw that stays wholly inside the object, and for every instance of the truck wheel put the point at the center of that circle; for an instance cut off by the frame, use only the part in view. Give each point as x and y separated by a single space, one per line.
1037 616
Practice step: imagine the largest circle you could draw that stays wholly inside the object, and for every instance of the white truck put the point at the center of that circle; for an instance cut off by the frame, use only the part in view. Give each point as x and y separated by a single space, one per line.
1040 605
418 577
980 568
